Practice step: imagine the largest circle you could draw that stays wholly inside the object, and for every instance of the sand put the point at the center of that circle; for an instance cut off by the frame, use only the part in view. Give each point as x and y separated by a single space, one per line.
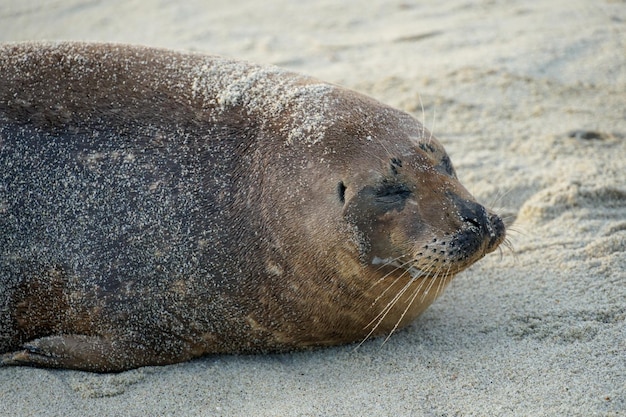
529 98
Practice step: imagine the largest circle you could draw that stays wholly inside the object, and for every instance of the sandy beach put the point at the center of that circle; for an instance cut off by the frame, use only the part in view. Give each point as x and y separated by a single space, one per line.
529 99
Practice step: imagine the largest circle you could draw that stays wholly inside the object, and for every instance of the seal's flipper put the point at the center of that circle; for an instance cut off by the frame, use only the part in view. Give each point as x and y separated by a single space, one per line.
87 353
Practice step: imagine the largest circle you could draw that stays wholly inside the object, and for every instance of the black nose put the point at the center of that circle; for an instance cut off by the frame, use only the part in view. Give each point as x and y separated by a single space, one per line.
473 214
486 226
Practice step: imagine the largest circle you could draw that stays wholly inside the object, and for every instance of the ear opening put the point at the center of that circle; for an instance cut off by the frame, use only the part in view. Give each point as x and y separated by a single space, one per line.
341 192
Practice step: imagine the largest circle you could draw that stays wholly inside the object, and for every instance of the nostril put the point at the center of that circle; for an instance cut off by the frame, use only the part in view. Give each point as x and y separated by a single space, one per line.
474 214
472 221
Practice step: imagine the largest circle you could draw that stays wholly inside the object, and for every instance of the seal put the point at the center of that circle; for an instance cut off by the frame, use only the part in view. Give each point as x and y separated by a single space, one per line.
157 206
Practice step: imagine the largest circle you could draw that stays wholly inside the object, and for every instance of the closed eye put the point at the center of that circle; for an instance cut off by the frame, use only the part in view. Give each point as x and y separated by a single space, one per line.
392 193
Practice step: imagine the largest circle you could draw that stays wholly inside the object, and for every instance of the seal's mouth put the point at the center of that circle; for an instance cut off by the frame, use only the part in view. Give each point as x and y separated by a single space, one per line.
408 267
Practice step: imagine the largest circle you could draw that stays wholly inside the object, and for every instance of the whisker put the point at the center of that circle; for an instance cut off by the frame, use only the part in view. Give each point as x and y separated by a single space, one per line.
388 287
386 264
375 156
385 148
423 133
500 196
430 285
389 305
508 220
406 309
517 230
442 282
436 281
433 126
416 292
383 313
509 246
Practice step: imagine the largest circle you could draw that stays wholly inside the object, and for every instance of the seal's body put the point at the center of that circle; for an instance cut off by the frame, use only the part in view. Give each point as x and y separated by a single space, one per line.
157 206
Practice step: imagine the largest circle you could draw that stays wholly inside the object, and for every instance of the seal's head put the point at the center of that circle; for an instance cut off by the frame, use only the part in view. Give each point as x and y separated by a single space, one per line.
381 216
416 216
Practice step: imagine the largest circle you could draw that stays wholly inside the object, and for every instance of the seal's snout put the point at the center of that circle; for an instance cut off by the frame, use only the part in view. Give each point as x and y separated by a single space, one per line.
482 231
